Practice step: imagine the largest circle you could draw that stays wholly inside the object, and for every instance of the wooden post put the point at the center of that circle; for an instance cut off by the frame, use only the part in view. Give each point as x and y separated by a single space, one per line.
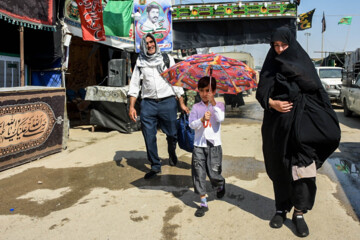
22 65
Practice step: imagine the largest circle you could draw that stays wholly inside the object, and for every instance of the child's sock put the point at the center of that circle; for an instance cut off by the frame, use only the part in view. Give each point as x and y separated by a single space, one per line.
203 201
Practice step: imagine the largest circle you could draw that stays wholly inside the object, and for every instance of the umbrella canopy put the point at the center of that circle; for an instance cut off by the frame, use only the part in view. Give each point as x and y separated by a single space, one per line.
232 76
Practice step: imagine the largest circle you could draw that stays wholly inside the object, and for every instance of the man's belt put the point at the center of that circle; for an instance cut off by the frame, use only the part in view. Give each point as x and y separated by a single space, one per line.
158 99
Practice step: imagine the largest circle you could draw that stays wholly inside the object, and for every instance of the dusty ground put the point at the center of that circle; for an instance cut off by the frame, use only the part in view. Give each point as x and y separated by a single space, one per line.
95 190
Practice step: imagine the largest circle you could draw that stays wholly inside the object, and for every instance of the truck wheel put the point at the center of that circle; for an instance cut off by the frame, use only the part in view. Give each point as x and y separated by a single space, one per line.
347 111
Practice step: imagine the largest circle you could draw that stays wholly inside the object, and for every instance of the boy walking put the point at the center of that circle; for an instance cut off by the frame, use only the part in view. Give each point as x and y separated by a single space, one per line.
205 118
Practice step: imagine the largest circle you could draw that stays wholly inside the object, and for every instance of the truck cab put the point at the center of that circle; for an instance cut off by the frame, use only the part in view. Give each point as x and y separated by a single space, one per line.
350 96
330 78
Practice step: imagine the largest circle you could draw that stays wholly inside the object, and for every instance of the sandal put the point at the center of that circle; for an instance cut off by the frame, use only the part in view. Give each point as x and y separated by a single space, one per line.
200 212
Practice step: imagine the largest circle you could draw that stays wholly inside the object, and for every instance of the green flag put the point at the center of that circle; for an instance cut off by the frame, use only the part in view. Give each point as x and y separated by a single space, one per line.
117 17
345 20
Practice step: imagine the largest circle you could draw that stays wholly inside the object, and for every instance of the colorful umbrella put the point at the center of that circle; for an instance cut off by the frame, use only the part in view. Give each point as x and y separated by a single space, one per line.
232 76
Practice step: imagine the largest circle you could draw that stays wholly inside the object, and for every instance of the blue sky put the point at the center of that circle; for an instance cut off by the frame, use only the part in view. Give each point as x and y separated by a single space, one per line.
337 38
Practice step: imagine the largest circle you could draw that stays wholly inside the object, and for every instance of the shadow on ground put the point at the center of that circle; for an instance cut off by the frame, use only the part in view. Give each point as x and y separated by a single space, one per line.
179 185
124 171
250 111
352 121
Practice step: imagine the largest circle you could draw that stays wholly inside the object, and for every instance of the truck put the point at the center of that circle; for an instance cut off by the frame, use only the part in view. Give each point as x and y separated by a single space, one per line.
350 91
331 79
350 96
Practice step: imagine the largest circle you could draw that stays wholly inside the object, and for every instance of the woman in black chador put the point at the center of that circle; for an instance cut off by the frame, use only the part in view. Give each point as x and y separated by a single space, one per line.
300 129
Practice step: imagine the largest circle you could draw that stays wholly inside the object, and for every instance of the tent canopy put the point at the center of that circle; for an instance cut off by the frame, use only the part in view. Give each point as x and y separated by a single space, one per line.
38 14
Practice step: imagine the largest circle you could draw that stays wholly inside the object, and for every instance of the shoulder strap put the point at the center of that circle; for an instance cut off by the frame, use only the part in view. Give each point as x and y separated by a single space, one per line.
166 59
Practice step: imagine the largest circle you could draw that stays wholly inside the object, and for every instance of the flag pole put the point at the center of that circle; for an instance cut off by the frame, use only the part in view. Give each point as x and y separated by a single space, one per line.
322 45
347 37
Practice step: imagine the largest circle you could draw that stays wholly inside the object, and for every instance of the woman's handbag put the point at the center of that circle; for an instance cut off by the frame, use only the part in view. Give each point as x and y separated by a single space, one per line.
185 134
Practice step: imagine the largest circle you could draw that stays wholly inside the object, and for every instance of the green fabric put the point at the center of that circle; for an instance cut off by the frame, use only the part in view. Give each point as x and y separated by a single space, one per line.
345 20
117 17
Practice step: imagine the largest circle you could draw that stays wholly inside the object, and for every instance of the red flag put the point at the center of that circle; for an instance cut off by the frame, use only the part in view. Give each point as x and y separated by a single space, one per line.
91 16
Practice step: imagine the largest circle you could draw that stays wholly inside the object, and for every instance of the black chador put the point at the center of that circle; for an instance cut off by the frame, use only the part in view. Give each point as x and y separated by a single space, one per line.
309 133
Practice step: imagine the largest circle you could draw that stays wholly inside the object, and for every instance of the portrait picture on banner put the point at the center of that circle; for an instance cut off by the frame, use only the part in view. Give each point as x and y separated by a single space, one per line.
153 16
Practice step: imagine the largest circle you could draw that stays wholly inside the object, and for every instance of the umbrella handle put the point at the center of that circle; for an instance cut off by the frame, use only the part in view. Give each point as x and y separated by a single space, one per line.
211 70
206 124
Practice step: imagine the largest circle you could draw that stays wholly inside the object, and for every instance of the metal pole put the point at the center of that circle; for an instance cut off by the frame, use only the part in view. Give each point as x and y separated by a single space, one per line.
347 37
22 65
322 44
307 42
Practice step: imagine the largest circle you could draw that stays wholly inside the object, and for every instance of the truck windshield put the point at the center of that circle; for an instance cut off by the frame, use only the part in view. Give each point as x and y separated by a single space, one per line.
330 73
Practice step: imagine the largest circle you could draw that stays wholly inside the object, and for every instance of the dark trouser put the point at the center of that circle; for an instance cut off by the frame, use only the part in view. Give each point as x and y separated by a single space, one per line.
299 194
162 113
206 160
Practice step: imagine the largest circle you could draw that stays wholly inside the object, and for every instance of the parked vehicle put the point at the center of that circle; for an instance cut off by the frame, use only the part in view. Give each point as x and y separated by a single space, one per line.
350 96
350 92
331 80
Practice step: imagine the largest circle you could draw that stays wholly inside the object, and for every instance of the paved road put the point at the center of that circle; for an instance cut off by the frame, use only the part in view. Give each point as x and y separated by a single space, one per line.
95 190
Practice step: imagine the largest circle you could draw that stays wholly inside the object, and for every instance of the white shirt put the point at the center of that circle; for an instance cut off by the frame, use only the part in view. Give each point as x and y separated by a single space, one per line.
154 86
210 133
149 26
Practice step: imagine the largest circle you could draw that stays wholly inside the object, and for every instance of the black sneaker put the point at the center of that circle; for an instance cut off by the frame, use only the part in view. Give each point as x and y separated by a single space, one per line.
221 193
300 224
278 219
151 174
173 161
200 212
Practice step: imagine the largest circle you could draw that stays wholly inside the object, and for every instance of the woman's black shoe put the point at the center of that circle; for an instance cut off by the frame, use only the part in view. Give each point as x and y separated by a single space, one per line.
200 212
300 224
278 219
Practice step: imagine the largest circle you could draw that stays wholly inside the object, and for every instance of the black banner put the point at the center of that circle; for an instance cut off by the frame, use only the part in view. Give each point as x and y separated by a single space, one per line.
323 23
31 124
305 20
199 34
37 12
